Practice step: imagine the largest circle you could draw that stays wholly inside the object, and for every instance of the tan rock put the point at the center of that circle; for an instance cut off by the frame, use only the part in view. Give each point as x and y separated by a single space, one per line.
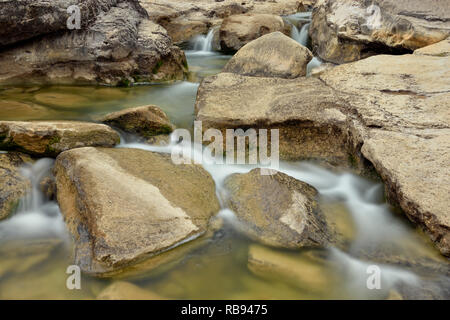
121 290
13 185
440 49
277 210
272 55
49 138
125 205
146 121
238 30
347 30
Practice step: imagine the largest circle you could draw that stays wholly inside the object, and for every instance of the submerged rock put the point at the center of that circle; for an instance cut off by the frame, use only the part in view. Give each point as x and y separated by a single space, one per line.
116 45
122 290
238 30
49 138
146 121
277 210
13 184
273 55
347 30
125 205
306 271
387 111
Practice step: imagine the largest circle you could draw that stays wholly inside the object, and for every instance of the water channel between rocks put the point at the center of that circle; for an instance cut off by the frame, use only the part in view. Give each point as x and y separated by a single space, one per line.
35 248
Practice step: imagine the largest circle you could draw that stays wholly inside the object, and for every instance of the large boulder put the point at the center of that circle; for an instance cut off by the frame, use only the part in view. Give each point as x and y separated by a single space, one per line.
277 209
184 19
145 121
238 30
49 138
108 49
125 205
13 184
348 30
272 55
390 111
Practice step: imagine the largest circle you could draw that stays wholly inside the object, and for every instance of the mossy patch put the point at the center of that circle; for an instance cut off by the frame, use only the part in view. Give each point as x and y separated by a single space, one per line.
157 67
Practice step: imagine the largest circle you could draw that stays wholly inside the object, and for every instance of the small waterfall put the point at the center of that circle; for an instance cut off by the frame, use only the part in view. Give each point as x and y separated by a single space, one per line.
203 43
36 216
301 36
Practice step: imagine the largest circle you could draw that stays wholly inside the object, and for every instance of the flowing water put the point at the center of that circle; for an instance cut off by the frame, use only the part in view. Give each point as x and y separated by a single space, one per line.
35 248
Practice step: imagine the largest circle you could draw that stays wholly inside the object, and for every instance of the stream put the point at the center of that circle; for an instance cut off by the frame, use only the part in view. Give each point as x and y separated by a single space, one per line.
36 249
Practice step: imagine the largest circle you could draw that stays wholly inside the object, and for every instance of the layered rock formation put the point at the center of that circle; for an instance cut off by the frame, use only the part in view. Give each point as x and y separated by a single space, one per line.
116 44
348 30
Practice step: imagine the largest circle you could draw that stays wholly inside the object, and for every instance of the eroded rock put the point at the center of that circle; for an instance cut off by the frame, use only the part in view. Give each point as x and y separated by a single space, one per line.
272 55
125 205
108 49
49 138
348 30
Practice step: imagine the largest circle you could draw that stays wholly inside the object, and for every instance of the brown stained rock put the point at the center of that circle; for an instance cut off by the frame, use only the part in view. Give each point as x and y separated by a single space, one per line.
125 205
49 138
146 121
272 55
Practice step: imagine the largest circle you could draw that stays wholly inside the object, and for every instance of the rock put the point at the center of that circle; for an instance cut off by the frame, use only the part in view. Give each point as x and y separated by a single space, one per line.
347 30
159 140
108 49
273 55
48 187
10 109
238 30
146 121
305 271
13 185
389 112
440 49
306 112
125 205
277 210
183 19
26 19
122 290
49 138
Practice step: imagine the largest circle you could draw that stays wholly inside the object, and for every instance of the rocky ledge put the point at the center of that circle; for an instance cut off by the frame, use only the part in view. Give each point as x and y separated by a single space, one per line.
116 44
